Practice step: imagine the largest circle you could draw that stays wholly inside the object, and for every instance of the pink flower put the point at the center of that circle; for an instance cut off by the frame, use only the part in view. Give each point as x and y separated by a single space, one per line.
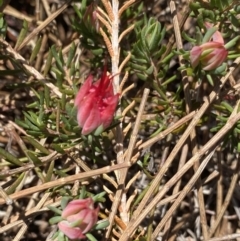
210 54
79 217
96 104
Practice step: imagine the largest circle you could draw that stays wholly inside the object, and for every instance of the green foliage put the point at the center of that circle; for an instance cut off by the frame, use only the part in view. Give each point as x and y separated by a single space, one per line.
148 49
49 117
217 11
3 26
221 4
22 34
221 115
90 38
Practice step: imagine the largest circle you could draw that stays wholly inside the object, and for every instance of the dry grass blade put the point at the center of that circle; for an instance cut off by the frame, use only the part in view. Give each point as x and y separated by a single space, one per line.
227 237
43 25
13 12
182 140
66 180
136 220
181 196
182 161
227 199
169 130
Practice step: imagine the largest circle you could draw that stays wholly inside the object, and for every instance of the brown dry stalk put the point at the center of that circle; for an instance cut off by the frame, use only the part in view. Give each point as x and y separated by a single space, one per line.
219 198
40 55
130 87
129 107
66 180
176 189
136 220
128 158
5 196
107 42
126 5
227 199
182 195
171 44
124 63
227 237
124 79
15 13
125 32
114 17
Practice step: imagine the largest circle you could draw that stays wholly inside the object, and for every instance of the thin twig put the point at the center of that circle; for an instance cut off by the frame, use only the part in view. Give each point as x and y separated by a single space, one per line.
219 198
9 10
183 193
139 211
227 199
182 161
125 32
66 180
126 5
227 237
136 220
130 149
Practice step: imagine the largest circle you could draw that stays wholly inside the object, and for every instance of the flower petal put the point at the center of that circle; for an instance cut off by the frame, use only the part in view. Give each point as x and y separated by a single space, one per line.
72 233
217 36
85 108
218 56
84 90
93 120
87 218
76 206
195 55
108 112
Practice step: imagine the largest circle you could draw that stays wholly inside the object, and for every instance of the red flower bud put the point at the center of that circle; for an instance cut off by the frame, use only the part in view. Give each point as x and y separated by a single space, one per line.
96 103
79 217
211 54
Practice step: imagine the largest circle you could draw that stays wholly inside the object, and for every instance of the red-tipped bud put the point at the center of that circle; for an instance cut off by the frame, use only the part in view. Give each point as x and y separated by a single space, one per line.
96 104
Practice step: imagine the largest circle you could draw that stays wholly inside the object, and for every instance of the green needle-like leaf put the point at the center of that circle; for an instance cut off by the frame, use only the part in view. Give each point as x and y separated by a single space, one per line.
36 49
22 34
10 158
